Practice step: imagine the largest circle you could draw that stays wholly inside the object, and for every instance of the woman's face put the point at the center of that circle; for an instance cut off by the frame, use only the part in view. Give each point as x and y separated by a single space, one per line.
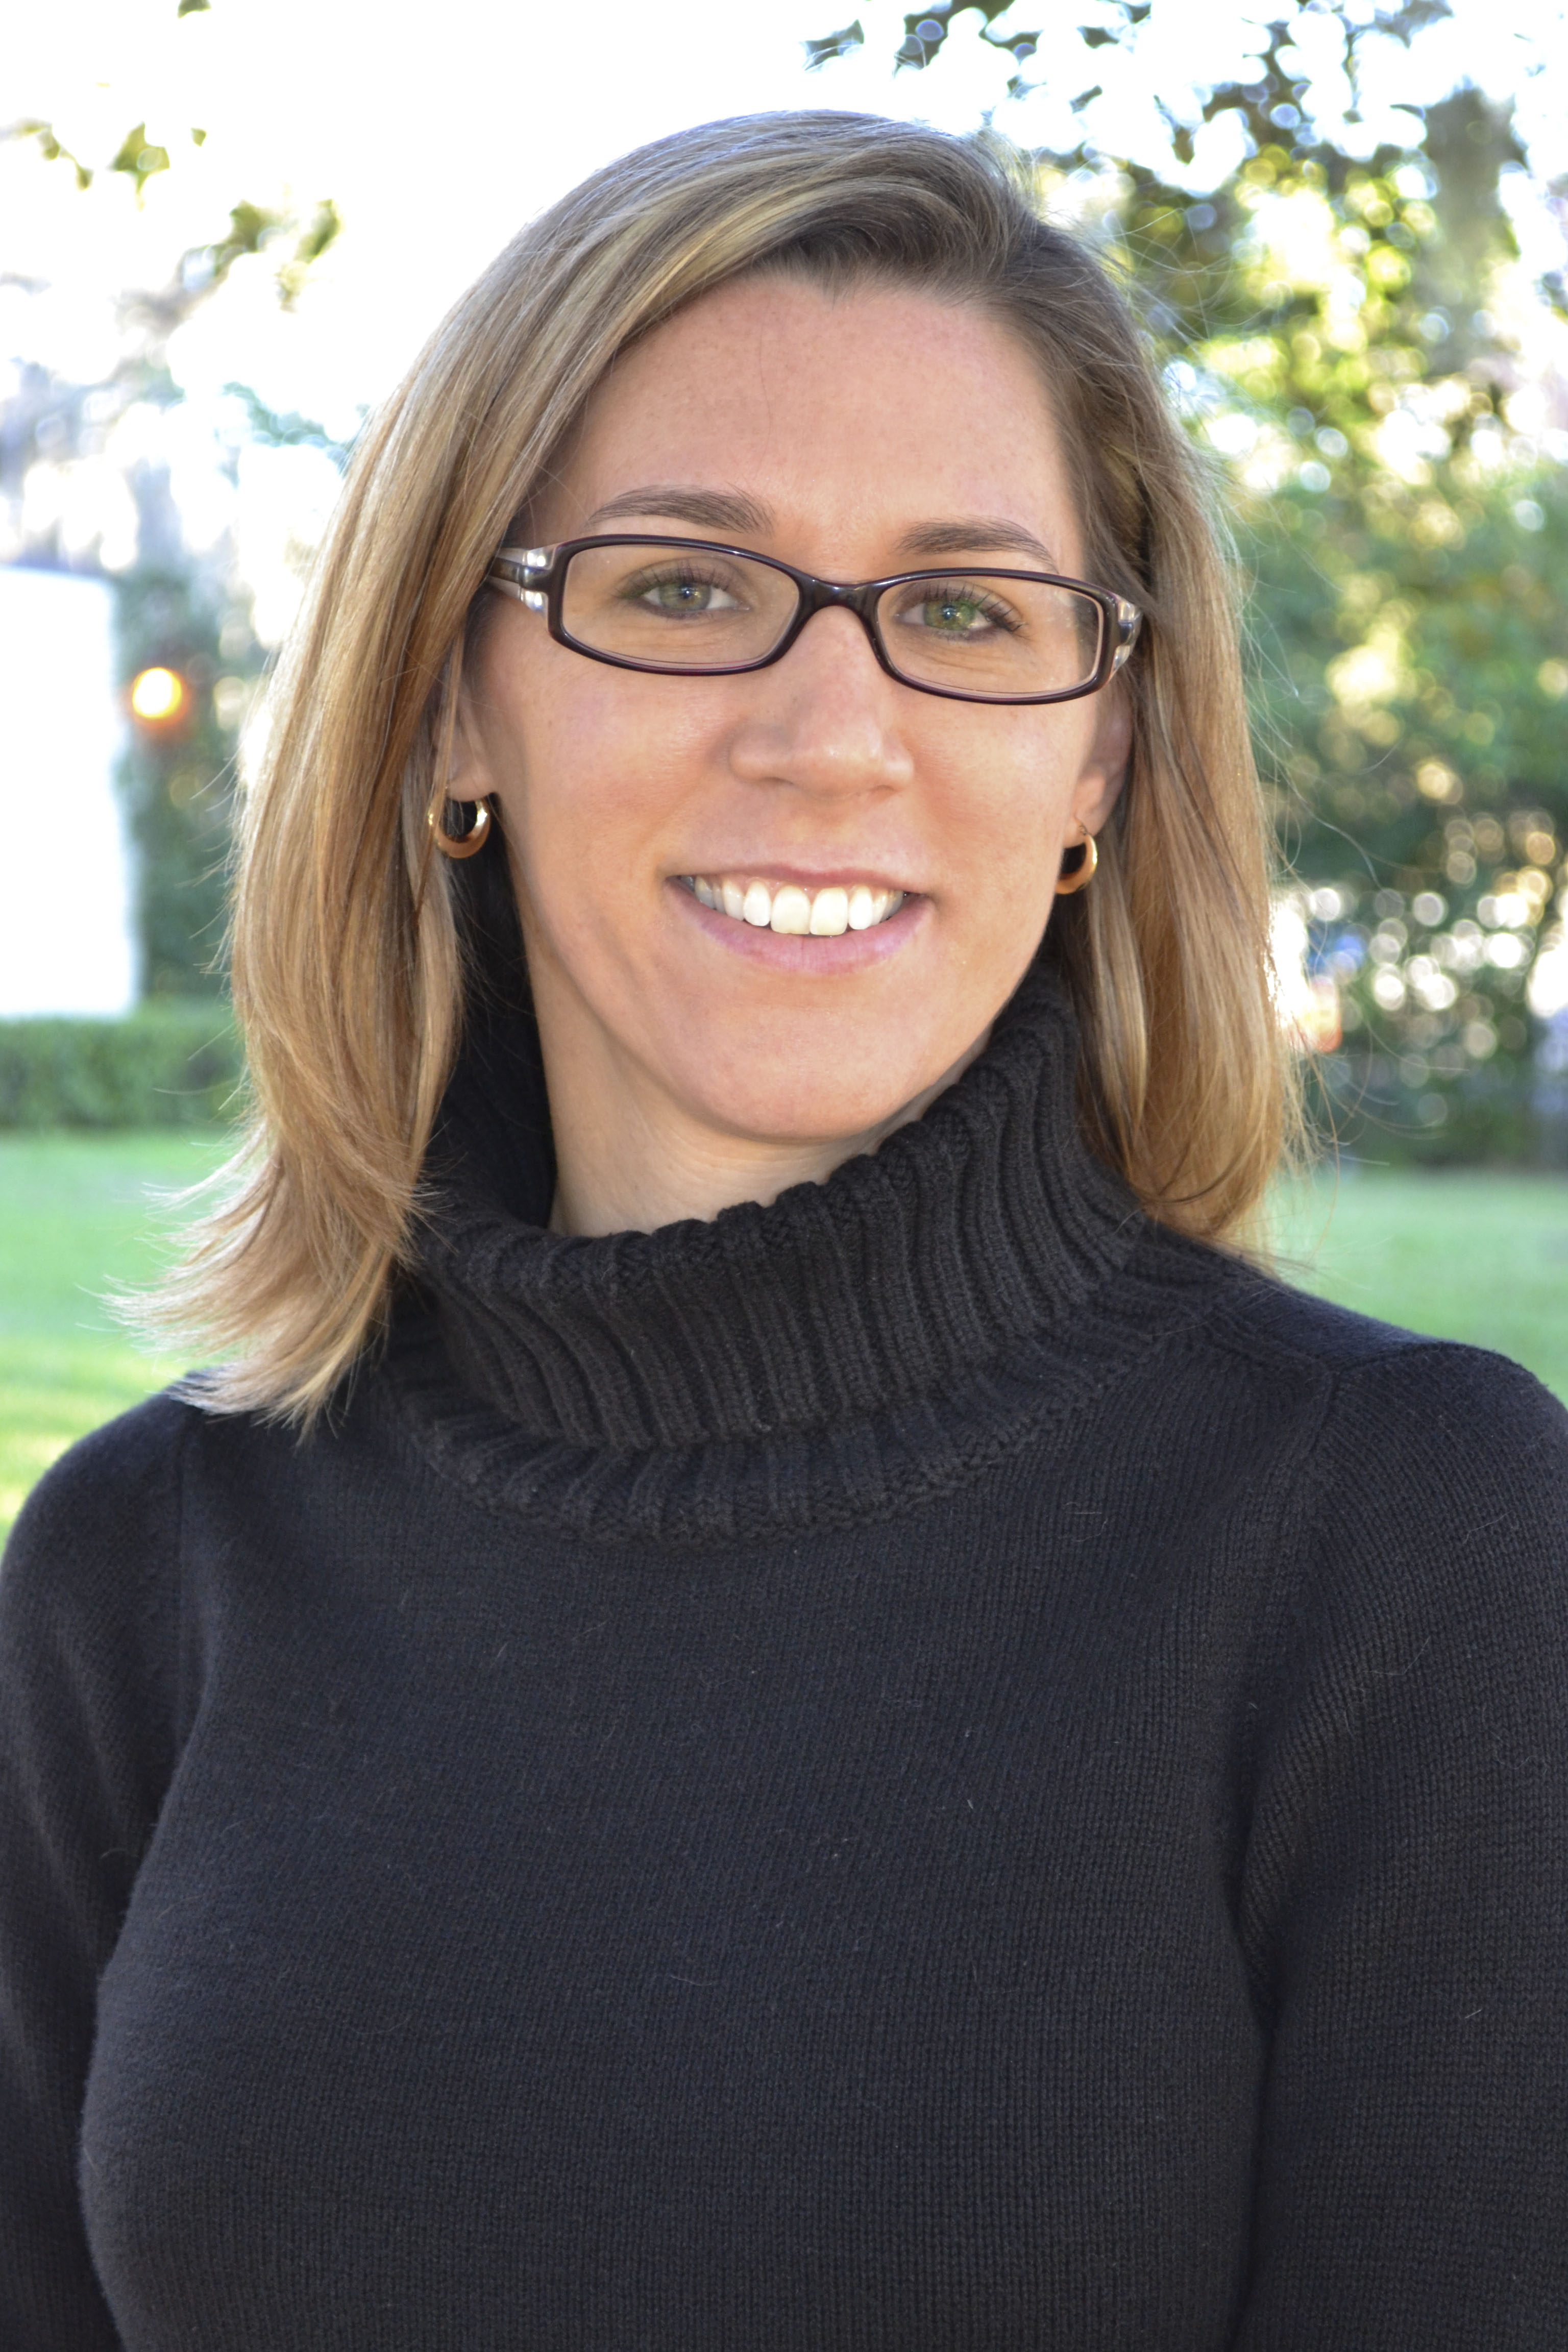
853 436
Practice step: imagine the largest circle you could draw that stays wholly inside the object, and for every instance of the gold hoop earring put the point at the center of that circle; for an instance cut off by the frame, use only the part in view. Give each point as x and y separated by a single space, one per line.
1082 872
463 845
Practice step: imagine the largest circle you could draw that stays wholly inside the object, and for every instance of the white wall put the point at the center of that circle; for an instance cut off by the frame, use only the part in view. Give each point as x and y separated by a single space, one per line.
66 941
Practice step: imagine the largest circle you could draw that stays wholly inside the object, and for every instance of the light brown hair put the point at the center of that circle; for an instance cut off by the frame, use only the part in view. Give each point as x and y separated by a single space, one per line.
347 960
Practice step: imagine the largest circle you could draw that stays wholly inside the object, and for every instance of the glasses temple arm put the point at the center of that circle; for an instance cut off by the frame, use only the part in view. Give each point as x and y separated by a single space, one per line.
523 573
1129 622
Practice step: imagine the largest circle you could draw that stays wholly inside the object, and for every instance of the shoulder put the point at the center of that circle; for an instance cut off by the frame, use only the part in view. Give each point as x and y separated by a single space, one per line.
1442 1471
98 1536
1429 1504
105 1485
94 1682
1390 1445
1453 1406
1242 1312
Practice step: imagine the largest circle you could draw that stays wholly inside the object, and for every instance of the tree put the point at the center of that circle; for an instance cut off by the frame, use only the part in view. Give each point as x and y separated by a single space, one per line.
1328 323
176 777
172 613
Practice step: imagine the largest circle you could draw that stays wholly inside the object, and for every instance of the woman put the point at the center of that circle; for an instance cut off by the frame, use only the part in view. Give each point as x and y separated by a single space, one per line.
777 1700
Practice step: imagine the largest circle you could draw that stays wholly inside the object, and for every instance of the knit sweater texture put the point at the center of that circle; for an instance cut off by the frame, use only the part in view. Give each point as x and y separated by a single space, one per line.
931 1768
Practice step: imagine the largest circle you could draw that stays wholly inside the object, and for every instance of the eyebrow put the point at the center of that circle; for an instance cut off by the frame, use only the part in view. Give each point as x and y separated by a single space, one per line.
966 533
732 510
704 509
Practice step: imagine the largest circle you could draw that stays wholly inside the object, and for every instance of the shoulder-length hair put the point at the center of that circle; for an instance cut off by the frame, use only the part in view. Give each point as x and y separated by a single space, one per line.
347 966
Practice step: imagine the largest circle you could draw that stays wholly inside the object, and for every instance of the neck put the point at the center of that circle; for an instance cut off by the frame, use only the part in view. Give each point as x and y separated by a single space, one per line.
630 1157
915 1273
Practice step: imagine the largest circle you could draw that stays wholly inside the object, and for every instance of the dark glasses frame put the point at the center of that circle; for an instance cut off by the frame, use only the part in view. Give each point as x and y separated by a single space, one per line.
536 576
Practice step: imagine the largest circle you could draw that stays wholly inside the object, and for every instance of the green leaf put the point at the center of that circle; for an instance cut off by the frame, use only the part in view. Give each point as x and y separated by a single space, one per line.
320 231
49 147
139 160
251 228
323 226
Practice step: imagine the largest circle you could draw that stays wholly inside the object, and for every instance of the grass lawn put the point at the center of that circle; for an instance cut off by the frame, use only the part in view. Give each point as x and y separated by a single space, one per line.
76 1215
1461 1254
1478 1257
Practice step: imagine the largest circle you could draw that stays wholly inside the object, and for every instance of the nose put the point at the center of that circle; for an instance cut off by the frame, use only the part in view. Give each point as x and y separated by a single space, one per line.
826 718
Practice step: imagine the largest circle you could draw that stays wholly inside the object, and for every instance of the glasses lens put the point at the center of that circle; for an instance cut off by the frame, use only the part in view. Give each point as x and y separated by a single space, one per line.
675 607
986 633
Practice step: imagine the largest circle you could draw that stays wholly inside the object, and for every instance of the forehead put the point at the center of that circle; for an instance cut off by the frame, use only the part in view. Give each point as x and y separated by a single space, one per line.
872 406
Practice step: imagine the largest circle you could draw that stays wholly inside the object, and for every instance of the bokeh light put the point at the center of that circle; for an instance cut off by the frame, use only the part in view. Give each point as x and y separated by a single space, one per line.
158 696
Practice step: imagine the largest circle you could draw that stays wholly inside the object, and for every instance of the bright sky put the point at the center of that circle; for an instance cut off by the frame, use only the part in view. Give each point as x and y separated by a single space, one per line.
438 131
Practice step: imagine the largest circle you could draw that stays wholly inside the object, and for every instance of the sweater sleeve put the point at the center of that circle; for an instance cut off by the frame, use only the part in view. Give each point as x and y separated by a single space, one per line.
1405 1889
89 1672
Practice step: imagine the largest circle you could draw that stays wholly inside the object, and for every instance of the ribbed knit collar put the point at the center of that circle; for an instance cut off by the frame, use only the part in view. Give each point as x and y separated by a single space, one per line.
983 1225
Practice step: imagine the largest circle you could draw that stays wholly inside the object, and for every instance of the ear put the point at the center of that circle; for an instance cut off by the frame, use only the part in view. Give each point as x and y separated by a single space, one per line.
1105 766
469 773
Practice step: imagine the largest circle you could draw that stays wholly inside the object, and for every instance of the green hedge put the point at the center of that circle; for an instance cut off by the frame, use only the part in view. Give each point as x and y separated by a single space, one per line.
174 1064
1503 1115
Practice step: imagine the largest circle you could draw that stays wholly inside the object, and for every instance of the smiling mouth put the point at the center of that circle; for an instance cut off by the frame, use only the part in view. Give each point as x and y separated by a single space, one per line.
785 906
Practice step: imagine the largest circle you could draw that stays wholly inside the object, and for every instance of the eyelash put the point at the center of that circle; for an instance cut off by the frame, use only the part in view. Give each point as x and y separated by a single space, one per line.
1000 615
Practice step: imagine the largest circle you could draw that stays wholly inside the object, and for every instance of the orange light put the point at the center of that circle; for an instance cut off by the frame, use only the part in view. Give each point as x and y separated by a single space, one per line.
1318 1024
158 696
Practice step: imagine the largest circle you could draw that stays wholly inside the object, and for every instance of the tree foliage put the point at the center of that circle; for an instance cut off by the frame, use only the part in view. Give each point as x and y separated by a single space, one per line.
177 780
1329 323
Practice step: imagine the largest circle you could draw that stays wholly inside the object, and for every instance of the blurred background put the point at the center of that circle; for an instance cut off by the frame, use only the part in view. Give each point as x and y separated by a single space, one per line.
228 227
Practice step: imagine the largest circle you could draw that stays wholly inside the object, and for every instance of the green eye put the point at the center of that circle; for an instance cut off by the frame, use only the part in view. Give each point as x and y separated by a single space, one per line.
955 609
682 595
678 596
952 615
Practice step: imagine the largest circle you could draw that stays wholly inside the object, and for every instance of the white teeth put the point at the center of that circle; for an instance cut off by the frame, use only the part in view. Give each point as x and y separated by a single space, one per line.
797 913
829 914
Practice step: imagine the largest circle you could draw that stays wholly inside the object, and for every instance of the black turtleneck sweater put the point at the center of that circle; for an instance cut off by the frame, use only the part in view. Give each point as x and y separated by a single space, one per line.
929 1769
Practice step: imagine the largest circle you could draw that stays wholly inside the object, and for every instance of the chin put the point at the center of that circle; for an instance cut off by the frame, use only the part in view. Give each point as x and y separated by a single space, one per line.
776 1101
798 1072
831 1108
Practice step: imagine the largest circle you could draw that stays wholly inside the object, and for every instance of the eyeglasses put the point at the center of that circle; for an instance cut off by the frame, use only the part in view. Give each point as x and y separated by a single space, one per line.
687 608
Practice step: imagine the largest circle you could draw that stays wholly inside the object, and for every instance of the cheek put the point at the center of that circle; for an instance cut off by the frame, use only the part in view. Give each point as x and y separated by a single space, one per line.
592 779
561 746
1007 790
